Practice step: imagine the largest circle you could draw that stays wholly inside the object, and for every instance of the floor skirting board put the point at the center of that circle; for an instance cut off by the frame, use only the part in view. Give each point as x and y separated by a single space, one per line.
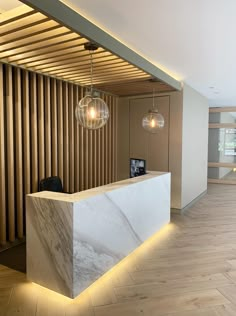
183 210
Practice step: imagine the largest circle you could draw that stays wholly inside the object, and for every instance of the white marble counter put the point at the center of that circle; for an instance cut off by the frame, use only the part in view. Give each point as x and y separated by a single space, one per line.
73 239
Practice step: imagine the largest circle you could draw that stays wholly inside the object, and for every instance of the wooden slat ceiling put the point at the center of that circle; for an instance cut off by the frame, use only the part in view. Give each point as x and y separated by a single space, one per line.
33 41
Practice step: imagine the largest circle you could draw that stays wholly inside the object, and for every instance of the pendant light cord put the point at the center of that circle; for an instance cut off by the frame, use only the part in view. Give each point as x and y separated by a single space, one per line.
91 70
153 105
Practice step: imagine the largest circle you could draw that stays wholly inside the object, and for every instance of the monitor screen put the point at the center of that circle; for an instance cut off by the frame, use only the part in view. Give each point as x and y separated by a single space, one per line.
137 167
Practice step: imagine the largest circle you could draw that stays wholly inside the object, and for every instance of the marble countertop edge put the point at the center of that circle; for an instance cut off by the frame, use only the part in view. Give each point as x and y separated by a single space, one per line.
78 196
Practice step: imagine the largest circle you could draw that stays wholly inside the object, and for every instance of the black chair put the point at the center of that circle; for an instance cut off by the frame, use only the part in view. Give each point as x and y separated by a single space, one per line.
51 184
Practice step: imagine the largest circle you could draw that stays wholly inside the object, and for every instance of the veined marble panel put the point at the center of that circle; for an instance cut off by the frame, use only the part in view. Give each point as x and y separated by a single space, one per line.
72 244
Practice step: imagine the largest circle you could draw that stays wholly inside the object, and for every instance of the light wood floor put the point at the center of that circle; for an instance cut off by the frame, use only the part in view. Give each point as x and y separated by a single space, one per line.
189 269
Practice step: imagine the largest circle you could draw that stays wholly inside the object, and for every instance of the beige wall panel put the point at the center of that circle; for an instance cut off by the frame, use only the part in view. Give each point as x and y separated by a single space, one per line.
48 127
60 131
34 132
19 152
71 140
54 131
2 165
151 147
175 141
41 130
10 154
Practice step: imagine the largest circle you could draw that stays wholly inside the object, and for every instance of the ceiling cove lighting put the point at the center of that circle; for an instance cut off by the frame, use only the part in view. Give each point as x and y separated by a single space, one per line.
153 121
91 112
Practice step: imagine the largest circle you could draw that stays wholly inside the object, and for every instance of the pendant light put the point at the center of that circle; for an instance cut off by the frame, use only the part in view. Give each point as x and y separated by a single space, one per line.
91 111
153 121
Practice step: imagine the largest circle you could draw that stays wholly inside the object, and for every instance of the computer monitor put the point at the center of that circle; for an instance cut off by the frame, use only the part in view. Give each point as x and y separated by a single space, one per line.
137 167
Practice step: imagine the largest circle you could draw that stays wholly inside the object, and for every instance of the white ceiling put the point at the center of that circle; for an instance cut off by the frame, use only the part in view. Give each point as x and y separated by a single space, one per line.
192 40
6 5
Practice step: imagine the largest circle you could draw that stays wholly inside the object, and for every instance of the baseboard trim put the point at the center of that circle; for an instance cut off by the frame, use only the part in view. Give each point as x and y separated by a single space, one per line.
183 210
9 245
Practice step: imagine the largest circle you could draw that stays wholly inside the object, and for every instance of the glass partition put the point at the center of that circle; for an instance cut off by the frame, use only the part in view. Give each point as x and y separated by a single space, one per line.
222 145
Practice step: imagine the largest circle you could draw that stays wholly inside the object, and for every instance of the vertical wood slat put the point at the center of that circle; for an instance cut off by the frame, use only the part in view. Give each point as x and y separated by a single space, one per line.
115 130
110 161
102 145
81 152
66 137
71 140
77 144
3 236
48 128
94 144
41 130
99 165
19 152
34 132
90 158
60 131
26 133
10 154
54 128
113 140
86 158
106 147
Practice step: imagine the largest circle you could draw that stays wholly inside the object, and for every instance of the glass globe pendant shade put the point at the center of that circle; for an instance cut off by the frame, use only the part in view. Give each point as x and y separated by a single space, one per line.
92 112
153 121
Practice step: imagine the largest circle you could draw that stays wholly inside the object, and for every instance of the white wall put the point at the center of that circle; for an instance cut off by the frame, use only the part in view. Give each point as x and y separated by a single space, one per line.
194 145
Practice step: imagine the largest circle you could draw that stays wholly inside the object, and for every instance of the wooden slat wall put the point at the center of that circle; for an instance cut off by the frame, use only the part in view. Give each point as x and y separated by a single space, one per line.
40 137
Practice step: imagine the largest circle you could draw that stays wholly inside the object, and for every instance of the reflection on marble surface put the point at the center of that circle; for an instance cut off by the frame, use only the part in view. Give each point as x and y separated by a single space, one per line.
71 244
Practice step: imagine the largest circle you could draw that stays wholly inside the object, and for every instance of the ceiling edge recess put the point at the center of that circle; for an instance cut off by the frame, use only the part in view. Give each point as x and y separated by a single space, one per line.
61 13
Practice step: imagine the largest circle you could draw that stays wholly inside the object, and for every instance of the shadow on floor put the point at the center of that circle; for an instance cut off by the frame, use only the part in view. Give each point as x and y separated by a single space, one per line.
14 258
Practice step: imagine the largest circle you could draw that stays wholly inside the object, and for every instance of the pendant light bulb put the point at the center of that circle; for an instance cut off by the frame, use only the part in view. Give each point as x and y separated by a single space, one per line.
153 121
91 112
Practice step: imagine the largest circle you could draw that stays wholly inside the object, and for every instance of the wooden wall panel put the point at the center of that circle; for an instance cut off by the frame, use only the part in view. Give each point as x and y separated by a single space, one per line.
54 131
34 132
40 137
48 128
77 173
19 152
10 155
71 139
60 137
66 137
26 133
3 236
41 130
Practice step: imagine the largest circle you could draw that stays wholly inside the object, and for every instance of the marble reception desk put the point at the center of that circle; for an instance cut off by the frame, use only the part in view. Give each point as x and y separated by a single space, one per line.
73 239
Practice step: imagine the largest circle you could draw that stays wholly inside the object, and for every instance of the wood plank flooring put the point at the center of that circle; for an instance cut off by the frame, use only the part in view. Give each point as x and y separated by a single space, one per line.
188 269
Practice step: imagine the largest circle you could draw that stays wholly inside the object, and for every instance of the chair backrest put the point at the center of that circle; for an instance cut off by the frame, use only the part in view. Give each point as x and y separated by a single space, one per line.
51 184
